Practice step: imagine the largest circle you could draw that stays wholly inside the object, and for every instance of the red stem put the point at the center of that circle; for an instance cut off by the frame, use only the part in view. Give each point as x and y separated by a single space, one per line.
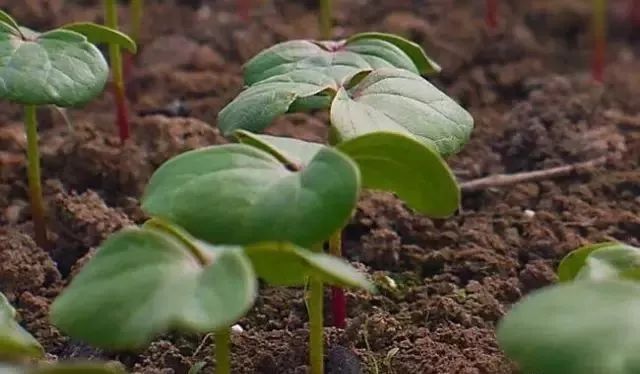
634 13
598 63
339 307
244 7
491 14
121 112
128 60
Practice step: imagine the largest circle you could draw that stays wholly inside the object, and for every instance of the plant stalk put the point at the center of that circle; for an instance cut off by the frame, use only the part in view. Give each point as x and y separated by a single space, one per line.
34 177
316 326
338 297
115 57
599 39
223 351
326 21
137 11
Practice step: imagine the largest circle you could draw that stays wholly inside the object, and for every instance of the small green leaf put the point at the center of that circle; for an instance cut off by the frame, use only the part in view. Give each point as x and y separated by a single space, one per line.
425 65
623 257
6 18
387 161
288 265
59 67
99 34
143 282
399 101
399 164
76 368
237 194
583 327
15 342
256 107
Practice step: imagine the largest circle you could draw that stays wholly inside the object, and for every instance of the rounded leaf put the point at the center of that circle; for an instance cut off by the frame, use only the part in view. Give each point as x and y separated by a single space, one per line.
600 261
99 34
576 328
143 282
237 194
59 67
288 265
399 101
15 342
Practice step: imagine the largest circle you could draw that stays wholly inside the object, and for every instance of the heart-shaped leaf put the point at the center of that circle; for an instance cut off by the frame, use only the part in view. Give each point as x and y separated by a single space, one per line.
15 342
59 67
99 34
399 101
288 265
600 261
63 368
387 161
339 60
146 281
256 107
237 194
583 327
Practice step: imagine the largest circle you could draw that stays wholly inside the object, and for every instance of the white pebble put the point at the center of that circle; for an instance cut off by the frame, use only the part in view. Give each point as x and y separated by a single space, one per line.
237 329
529 213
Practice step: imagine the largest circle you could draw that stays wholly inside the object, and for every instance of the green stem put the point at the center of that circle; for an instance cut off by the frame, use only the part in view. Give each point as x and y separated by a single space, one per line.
316 324
223 351
115 59
33 173
137 8
325 19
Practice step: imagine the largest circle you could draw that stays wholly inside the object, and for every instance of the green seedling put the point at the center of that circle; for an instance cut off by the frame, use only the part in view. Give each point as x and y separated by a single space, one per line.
587 324
370 84
59 67
326 19
17 346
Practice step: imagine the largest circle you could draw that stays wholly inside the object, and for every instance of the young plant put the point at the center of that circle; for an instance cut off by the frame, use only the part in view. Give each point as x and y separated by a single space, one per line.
588 324
115 57
370 85
599 39
257 199
326 19
59 67
17 346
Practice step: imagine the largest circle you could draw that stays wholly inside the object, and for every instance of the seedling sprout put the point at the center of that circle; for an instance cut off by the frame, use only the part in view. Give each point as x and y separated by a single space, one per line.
599 39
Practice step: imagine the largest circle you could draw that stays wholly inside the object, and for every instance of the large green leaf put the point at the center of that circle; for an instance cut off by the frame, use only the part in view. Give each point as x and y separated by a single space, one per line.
63 368
399 101
387 161
59 67
146 281
237 194
99 34
15 342
583 327
256 107
339 60
288 265
601 261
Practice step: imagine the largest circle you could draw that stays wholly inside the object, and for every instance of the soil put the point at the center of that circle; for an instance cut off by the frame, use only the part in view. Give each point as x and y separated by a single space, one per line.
444 284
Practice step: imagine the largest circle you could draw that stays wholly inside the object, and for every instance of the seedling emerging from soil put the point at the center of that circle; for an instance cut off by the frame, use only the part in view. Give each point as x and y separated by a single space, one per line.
491 14
599 39
59 67
588 324
18 346
326 19
370 84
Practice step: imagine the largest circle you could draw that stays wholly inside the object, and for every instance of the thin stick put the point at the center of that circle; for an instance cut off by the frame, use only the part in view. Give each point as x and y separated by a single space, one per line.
223 351
325 19
115 57
502 180
316 324
33 174
338 298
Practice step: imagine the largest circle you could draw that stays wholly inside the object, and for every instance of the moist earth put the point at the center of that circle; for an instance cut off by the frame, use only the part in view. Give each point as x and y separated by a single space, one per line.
444 284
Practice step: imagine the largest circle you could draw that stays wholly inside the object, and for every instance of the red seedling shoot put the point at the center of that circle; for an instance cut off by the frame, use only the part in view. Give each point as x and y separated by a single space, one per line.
118 86
599 39
244 8
491 14
338 297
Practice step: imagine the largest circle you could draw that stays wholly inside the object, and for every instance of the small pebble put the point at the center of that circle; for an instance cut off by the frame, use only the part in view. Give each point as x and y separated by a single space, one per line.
237 329
529 213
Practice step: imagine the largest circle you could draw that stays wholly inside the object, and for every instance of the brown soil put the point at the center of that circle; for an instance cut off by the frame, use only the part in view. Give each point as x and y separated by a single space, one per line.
444 283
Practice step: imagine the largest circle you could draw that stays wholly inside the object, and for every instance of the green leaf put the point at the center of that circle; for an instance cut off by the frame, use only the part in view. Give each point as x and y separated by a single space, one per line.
7 19
288 265
399 164
576 328
387 161
146 281
237 194
99 34
256 107
59 67
63 368
425 65
399 101
15 342
340 60
597 261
